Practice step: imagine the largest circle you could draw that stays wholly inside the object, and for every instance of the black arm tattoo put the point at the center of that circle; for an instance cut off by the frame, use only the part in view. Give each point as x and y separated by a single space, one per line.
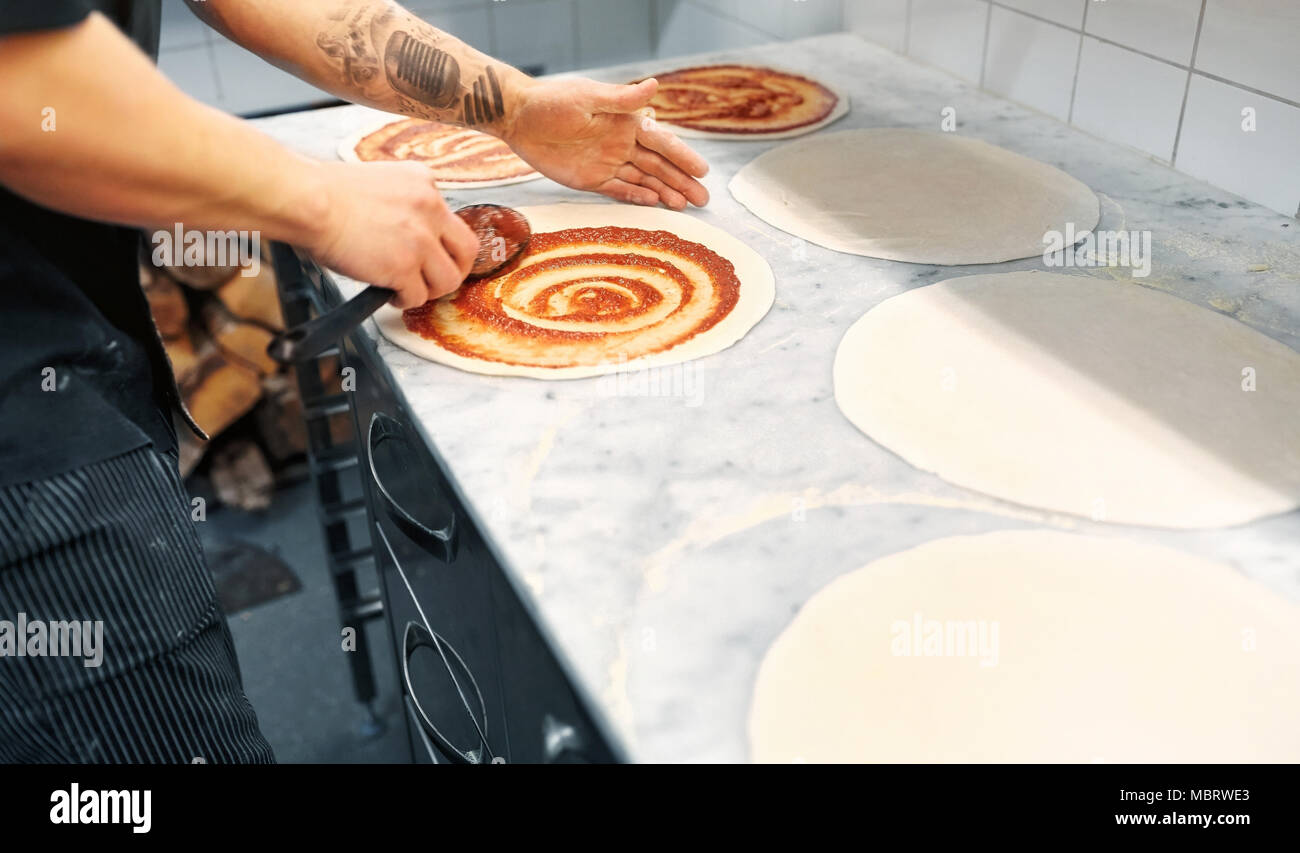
421 71
484 103
349 44
416 67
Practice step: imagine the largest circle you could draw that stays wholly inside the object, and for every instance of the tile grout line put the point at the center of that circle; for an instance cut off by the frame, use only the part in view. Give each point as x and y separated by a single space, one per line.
718 13
575 58
653 15
210 49
1057 24
1171 63
907 29
984 55
1187 86
1080 31
493 48
1242 86
1078 61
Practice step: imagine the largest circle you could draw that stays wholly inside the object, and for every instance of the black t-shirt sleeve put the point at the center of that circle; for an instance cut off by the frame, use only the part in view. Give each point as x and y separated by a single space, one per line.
20 16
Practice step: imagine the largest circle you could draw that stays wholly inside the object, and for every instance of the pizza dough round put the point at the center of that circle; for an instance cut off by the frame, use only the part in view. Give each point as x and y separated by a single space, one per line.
442 150
1081 395
796 104
609 283
1034 646
916 196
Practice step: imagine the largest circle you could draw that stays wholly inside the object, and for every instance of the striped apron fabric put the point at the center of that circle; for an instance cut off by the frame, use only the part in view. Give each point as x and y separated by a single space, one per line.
113 542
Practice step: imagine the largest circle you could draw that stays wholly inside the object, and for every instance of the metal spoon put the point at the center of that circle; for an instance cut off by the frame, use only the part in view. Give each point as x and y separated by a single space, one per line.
503 234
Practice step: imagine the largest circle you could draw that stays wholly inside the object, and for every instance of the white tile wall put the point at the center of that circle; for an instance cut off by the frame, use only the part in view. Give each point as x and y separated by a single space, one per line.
426 8
1067 12
193 69
1164 28
949 34
248 84
470 24
183 28
803 18
882 21
1130 73
614 31
684 27
536 33
1031 61
782 19
761 15
1253 42
1260 165
1127 97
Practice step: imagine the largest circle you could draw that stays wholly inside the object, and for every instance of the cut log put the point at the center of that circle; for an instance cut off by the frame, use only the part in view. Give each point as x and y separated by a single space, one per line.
243 342
254 298
279 419
220 391
167 302
190 449
210 265
202 278
182 355
241 476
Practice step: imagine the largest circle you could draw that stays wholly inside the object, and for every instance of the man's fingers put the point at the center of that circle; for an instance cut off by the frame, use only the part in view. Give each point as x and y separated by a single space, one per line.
411 291
441 273
460 242
653 136
669 196
621 190
617 98
657 165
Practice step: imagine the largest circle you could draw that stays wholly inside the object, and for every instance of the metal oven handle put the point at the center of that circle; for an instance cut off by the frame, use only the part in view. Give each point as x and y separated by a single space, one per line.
417 636
436 529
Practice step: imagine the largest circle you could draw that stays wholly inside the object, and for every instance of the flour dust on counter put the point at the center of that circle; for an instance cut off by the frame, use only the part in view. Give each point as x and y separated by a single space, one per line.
601 289
916 196
1082 395
1033 646
745 102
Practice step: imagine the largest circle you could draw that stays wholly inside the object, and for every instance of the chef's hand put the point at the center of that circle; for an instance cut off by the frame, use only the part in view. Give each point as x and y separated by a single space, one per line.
596 136
387 224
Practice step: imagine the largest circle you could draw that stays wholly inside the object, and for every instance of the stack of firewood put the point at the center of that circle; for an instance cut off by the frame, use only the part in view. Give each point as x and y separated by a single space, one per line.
216 323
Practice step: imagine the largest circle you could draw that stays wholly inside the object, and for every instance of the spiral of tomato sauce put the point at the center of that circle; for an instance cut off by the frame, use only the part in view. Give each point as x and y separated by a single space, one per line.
583 296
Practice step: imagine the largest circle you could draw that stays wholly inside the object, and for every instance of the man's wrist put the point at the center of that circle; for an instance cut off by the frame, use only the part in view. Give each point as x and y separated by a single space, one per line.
306 214
517 86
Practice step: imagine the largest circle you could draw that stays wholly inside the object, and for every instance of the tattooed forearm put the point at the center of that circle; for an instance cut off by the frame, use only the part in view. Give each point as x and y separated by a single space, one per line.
421 71
425 72
347 43
374 52
484 104
394 60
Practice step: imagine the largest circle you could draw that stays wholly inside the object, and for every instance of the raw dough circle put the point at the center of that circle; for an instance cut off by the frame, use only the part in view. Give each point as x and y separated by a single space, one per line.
1082 395
757 292
1093 650
917 196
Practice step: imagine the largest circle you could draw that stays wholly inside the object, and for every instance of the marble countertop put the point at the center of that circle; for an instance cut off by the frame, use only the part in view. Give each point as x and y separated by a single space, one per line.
666 539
